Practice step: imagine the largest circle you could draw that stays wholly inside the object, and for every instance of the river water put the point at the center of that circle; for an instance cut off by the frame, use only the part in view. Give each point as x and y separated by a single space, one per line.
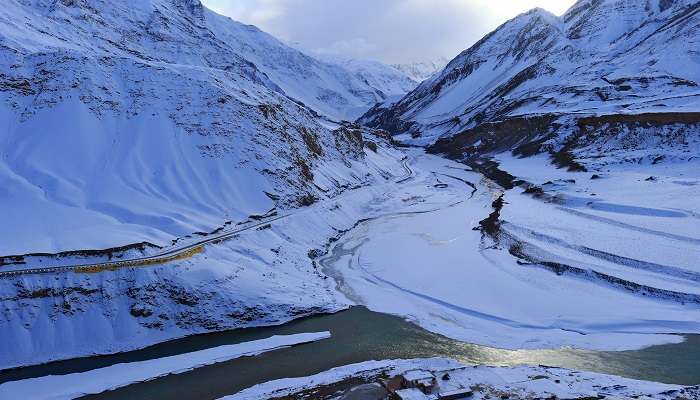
360 335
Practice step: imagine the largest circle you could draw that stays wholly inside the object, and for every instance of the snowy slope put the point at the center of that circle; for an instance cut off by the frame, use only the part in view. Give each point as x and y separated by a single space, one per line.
264 276
602 57
340 88
145 120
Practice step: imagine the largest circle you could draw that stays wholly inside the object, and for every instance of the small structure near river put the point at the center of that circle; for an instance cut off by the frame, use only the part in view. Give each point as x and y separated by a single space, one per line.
422 385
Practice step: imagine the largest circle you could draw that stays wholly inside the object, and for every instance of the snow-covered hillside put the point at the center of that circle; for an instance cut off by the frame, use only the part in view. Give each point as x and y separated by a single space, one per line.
453 380
141 121
160 121
532 79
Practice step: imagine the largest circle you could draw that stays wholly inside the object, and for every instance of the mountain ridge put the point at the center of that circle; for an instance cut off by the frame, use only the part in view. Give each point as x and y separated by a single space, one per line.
577 64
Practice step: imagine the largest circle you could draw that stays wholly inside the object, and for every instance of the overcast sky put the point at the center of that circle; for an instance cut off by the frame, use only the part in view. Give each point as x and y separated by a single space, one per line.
393 31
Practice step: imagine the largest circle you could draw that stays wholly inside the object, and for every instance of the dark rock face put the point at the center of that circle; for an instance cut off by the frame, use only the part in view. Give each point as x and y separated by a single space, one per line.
586 137
526 134
192 7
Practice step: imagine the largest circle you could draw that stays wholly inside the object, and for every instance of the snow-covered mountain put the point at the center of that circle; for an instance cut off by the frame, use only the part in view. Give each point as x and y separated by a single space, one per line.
137 120
529 84
134 121
422 70
335 86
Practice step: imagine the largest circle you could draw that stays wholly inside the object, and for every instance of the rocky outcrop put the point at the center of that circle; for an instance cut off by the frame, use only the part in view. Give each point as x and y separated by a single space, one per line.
572 140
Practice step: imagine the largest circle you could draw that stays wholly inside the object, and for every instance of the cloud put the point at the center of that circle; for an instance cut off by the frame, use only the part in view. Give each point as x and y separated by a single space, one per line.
256 12
386 30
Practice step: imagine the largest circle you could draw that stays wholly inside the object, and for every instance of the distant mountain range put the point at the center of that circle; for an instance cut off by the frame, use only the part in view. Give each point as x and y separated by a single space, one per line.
420 71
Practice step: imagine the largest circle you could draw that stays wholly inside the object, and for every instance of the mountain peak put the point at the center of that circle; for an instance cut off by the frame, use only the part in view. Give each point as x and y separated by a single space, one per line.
422 70
601 22
539 11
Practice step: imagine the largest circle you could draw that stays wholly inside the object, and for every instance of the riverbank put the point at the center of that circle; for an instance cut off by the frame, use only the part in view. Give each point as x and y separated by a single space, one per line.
447 379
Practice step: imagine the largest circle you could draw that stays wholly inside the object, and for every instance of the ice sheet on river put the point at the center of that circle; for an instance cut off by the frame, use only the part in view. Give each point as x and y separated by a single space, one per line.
435 270
109 378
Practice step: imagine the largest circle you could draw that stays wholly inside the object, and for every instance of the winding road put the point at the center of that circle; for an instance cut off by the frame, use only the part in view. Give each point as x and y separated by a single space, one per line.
175 252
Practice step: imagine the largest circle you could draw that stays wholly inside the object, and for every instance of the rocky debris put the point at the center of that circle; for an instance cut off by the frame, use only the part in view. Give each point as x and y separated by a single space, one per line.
491 224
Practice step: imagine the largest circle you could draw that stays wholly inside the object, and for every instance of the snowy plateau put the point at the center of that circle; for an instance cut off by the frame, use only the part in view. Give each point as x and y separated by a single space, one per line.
168 174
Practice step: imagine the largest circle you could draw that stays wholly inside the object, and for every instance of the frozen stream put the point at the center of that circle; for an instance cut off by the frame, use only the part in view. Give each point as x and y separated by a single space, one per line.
430 266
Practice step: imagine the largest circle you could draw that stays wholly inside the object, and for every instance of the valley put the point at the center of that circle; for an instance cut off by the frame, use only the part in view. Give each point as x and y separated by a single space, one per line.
193 208
405 255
